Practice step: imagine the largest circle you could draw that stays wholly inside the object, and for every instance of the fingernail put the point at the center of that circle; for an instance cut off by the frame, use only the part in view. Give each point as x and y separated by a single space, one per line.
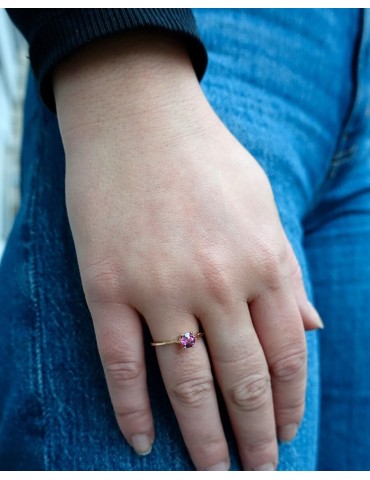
267 467
219 467
287 432
141 444
316 316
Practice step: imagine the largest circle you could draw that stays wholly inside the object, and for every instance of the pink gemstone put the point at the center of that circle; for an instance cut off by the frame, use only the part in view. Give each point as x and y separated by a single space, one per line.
187 340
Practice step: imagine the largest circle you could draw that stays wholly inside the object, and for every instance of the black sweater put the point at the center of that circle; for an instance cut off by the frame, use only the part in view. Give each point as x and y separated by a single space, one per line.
55 33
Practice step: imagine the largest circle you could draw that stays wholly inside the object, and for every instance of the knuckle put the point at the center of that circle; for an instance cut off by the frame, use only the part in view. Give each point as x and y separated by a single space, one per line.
209 450
217 277
192 393
271 261
296 271
123 373
252 393
274 271
290 365
258 446
102 282
292 413
131 416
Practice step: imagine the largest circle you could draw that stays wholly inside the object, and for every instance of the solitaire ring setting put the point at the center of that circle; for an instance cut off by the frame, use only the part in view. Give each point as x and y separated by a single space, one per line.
186 340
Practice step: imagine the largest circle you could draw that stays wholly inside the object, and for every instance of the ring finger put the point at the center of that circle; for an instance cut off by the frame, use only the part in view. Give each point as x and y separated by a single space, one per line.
188 379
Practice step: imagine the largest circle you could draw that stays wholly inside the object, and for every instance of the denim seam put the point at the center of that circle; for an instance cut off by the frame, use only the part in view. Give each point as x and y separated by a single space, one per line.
345 151
342 146
38 336
342 152
340 159
343 156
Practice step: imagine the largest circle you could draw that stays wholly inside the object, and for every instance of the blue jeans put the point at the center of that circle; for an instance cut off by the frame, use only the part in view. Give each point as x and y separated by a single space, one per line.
293 87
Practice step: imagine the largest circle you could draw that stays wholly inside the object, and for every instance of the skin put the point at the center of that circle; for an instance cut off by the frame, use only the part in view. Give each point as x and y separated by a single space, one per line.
175 222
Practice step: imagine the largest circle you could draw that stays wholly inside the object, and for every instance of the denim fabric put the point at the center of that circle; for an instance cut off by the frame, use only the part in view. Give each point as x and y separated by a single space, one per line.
293 87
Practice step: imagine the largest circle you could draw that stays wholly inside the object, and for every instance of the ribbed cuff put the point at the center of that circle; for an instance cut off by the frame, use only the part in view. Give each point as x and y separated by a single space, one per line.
60 32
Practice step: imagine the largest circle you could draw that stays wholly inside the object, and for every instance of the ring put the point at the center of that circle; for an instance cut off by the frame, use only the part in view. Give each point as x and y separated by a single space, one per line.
186 340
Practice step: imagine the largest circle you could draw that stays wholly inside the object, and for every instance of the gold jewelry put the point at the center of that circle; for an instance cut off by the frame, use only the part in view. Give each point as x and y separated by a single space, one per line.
186 340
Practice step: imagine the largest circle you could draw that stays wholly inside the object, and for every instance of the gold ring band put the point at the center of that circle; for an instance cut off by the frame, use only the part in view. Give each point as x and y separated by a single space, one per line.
186 340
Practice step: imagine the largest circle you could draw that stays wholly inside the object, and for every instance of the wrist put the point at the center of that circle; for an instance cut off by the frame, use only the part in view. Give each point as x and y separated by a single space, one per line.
127 78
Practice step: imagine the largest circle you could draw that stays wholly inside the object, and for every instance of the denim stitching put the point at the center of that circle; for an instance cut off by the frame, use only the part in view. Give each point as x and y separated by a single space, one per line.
342 152
35 295
345 150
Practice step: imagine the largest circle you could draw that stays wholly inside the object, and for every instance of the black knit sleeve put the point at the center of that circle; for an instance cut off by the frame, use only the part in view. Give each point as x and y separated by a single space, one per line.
55 33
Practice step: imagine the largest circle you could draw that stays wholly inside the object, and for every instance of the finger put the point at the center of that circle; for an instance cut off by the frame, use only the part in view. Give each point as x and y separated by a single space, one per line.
277 321
310 317
120 341
188 379
243 376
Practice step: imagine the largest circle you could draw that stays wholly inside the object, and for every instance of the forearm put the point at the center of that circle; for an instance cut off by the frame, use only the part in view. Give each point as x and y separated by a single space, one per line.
135 86
54 34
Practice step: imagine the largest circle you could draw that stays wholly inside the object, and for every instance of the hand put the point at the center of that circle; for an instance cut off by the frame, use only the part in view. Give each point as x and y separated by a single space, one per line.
174 220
